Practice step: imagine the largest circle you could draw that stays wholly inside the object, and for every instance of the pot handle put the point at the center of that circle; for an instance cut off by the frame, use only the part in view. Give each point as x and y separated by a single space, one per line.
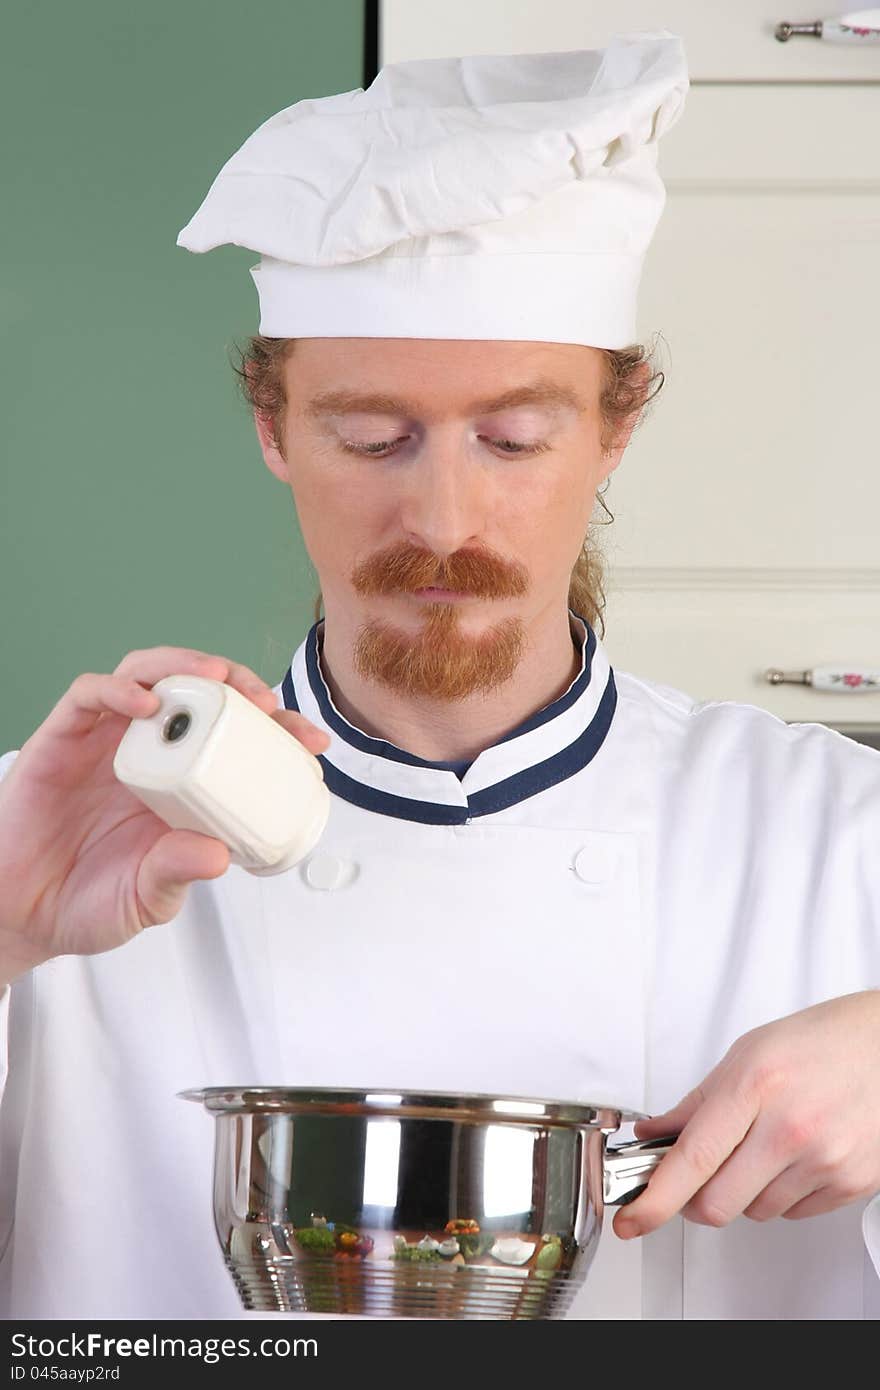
626 1169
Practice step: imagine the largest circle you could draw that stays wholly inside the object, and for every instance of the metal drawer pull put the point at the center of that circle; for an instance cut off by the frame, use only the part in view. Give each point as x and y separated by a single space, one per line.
846 680
861 26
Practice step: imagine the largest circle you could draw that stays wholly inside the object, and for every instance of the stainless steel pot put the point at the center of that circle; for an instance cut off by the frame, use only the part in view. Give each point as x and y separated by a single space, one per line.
431 1205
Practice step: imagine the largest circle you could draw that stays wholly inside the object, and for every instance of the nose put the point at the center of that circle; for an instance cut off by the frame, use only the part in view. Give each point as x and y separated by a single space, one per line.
444 505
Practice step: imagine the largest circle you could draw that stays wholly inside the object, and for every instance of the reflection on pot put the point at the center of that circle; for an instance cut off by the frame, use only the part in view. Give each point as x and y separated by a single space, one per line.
491 1208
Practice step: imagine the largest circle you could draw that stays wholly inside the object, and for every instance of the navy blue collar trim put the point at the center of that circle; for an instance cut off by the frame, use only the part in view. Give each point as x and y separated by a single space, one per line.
496 798
381 748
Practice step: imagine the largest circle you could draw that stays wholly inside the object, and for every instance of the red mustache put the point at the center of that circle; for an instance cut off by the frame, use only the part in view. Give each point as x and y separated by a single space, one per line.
406 569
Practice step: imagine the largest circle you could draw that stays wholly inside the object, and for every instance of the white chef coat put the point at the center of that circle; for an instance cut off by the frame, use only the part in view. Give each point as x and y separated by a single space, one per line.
608 898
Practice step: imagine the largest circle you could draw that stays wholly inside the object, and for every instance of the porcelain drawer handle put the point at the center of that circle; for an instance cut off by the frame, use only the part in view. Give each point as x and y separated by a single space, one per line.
860 26
844 679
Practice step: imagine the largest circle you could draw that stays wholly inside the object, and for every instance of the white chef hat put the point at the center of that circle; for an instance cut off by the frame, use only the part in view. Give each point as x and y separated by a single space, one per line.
497 196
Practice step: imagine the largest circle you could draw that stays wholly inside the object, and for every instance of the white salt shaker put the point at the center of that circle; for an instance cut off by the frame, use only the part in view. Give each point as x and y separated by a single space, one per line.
209 760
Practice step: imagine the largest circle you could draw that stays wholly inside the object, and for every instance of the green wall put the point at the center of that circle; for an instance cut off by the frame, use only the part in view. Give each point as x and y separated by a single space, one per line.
135 507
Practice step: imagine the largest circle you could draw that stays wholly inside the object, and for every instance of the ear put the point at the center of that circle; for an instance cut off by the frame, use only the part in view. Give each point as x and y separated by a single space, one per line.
614 455
274 459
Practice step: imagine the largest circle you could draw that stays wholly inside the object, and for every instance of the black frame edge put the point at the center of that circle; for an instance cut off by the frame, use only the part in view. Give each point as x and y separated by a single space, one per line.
371 40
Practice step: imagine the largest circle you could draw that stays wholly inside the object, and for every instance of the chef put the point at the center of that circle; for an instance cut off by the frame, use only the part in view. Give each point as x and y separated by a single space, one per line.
540 876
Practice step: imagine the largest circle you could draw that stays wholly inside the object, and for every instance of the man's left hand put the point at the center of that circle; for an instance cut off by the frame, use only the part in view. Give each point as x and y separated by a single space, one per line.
787 1124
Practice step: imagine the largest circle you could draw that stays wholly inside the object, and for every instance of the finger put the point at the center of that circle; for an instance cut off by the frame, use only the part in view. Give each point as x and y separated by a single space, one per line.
758 1174
706 1141
817 1204
172 863
308 734
151 664
805 1191
778 1167
94 694
155 663
790 1187
671 1121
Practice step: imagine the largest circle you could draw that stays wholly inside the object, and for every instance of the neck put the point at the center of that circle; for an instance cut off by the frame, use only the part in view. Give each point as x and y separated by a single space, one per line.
452 731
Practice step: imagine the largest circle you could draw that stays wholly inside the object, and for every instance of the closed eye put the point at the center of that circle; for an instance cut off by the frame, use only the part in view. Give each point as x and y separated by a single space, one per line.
510 446
386 447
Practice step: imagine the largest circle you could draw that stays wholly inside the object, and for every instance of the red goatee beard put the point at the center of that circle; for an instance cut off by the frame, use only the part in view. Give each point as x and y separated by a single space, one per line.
439 662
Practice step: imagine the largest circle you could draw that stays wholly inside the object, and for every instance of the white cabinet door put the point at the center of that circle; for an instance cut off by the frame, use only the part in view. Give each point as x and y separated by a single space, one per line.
747 505
726 40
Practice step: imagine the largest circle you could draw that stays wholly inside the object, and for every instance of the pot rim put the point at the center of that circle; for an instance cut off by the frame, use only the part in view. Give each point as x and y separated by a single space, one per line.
431 1105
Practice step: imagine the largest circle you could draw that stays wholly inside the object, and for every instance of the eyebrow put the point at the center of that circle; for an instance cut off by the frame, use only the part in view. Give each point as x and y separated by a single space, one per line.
543 392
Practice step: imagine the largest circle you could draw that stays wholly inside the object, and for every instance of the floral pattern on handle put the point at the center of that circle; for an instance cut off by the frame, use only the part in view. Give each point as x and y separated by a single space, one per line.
853 680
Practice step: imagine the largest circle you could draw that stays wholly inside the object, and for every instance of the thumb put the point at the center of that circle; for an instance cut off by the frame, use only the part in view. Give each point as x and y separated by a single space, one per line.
671 1121
171 864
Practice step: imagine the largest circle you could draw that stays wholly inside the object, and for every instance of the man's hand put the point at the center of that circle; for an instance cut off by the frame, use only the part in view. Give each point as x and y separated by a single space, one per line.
84 865
787 1124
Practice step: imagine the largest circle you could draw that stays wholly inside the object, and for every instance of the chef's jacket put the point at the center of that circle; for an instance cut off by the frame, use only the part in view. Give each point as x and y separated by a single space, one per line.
595 910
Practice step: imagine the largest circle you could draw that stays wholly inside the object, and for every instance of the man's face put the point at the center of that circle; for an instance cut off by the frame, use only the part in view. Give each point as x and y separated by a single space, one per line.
443 488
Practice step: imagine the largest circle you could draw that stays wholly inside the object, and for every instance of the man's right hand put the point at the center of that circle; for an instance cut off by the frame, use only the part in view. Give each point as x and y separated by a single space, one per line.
84 864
